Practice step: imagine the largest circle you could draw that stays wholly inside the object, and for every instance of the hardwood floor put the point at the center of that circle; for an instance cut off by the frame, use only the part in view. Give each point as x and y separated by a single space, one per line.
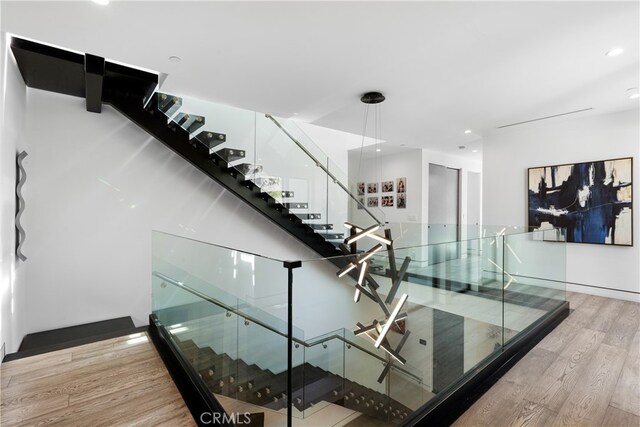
116 382
585 373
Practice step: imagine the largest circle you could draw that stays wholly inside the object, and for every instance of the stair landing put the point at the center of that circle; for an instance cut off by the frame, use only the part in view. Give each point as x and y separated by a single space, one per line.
70 387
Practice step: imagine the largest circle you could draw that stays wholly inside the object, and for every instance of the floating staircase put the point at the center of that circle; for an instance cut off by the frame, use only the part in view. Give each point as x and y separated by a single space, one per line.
131 92
311 385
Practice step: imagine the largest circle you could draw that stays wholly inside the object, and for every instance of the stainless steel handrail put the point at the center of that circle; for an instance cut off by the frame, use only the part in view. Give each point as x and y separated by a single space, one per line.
321 166
252 319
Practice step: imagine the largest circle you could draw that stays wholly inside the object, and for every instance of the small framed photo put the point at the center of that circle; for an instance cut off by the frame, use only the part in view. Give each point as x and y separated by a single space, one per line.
360 203
387 201
402 201
387 186
372 202
360 188
372 187
402 185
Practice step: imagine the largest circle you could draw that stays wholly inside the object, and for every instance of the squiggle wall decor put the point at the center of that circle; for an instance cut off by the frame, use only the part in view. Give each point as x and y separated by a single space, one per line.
22 177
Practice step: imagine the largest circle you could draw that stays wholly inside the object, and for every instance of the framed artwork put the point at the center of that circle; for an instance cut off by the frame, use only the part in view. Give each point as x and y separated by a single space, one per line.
360 186
360 203
372 187
387 201
387 186
372 202
402 201
592 201
401 185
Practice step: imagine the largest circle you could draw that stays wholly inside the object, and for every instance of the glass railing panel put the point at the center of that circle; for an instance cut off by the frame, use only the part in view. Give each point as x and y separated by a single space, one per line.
327 302
451 319
227 312
262 366
205 334
288 169
344 191
534 277
232 130
323 371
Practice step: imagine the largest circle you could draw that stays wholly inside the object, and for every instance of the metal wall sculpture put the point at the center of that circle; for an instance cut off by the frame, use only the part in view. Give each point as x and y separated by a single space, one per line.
366 285
21 178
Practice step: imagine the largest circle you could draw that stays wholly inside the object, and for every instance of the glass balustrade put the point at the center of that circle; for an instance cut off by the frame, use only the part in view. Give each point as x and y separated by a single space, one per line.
393 334
276 156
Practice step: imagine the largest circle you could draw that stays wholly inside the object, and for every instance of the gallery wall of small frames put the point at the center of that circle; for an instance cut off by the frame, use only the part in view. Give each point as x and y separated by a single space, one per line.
386 194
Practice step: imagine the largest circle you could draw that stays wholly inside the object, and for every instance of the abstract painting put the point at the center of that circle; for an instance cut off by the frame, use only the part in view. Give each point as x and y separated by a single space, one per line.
592 201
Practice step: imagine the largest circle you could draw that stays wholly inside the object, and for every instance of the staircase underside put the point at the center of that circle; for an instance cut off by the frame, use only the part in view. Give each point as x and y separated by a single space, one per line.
131 92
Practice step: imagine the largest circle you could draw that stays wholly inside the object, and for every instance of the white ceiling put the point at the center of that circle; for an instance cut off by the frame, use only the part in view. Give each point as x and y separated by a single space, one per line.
444 66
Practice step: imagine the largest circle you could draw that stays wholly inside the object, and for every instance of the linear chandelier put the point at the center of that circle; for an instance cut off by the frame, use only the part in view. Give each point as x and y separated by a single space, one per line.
358 263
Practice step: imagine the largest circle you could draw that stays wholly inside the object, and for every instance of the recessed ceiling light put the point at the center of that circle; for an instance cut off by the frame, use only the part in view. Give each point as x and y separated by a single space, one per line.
635 96
175 59
474 151
615 51
468 131
101 2
378 150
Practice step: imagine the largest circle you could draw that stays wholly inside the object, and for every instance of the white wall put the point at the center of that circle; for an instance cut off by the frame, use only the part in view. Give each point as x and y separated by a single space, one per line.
508 154
98 186
408 225
12 270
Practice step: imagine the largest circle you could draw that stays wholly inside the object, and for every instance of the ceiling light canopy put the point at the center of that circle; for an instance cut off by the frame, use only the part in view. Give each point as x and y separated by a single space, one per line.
174 58
468 131
615 51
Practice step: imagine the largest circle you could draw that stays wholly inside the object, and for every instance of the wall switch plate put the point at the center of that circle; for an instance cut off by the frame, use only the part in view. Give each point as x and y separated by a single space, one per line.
423 342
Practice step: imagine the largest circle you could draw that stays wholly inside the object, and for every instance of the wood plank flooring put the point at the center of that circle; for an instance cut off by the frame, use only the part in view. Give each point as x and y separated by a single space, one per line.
584 373
116 382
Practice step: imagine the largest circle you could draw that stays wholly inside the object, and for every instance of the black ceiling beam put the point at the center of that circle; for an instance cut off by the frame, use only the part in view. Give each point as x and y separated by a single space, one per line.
93 79
70 73
49 68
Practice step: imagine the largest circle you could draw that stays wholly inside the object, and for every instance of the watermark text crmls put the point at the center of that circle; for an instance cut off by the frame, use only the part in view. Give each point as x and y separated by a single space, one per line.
237 418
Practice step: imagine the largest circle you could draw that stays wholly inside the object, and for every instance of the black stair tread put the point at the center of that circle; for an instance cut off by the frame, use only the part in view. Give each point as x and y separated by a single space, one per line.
295 205
284 194
309 216
230 154
247 169
302 375
321 226
188 122
166 103
319 390
207 140
330 235
58 339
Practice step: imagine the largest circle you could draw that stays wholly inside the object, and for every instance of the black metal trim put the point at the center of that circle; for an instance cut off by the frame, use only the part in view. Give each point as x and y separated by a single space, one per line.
198 398
93 78
454 400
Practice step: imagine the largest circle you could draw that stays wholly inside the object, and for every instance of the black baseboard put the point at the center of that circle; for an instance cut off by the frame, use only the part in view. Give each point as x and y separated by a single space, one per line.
204 408
73 336
453 401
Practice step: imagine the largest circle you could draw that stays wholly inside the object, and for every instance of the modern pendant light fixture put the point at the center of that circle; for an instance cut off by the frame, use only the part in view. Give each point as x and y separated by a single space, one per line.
378 330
